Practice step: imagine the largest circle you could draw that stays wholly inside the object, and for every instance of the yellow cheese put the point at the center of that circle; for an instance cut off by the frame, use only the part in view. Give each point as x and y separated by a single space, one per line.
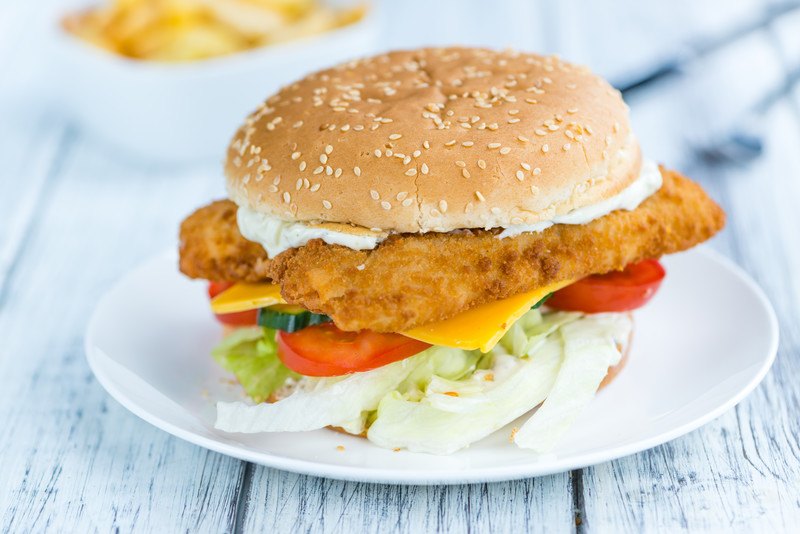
243 297
478 328
482 326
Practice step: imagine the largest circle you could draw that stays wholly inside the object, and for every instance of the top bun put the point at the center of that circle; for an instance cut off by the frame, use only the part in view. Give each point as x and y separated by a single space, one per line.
434 140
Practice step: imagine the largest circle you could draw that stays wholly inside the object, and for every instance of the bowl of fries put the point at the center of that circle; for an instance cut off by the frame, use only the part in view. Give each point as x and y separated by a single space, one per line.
171 79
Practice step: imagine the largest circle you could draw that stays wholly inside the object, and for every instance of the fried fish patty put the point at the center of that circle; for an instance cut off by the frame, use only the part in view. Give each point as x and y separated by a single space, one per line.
414 279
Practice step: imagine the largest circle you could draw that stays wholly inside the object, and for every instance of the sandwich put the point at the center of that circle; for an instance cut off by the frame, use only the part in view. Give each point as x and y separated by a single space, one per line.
427 246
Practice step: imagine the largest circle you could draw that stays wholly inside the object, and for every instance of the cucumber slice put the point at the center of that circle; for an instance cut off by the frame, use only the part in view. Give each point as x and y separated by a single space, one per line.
289 318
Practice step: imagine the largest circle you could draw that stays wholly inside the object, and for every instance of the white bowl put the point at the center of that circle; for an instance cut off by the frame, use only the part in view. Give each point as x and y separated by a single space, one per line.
183 112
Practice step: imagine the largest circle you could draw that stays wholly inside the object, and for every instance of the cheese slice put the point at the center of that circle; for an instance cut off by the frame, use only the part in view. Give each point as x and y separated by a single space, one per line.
243 297
479 328
483 326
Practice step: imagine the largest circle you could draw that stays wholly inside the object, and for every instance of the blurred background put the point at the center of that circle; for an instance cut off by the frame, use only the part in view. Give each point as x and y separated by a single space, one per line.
120 93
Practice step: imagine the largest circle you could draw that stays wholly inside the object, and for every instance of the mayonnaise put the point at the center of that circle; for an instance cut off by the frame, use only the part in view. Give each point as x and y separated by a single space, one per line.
648 182
277 235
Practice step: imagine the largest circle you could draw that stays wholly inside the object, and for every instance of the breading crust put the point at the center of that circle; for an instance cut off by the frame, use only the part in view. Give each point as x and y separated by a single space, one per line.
412 279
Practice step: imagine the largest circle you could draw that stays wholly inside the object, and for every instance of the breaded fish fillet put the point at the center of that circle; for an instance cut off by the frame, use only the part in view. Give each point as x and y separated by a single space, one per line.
414 279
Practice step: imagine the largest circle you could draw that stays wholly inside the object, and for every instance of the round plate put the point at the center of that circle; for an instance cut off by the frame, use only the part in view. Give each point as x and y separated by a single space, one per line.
703 343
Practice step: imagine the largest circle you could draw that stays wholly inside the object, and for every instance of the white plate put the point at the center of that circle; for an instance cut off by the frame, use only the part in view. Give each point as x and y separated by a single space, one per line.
703 344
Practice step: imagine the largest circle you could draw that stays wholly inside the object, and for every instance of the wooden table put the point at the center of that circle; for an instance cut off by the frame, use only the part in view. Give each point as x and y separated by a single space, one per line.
74 217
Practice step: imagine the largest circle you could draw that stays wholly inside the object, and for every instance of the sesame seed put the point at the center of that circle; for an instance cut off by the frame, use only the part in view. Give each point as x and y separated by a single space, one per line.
572 110
450 143
323 158
302 166
345 127
467 143
513 121
505 150
531 101
481 164
523 138
337 173
328 170
411 172
374 194
319 170
520 175
461 164
407 202
552 127
357 171
494 145
567 146
315 188
443 206
295 155
537 171
480 196
525 166
378 152
395 137
401 195
416 153
299 184
513 111
287 197
385 205
545 148
426 144
539 131
326 204
424 168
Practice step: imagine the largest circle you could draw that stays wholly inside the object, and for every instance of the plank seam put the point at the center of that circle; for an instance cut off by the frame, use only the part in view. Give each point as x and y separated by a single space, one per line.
578 500
242 499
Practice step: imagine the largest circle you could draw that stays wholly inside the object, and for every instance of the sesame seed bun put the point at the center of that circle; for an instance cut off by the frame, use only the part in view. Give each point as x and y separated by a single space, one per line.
434 140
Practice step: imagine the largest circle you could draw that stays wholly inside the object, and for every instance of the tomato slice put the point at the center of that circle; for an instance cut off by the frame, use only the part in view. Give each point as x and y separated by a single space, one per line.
618 291
245 318
324 350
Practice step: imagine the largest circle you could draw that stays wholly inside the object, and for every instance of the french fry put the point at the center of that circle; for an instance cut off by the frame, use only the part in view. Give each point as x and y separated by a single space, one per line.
190 30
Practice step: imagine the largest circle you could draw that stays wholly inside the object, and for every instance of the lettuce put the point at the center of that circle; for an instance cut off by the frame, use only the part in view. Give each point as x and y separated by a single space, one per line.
442 399
319 402
251 355
442 424
590 348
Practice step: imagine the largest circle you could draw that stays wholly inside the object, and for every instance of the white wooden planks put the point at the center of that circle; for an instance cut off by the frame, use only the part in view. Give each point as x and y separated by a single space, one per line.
76 219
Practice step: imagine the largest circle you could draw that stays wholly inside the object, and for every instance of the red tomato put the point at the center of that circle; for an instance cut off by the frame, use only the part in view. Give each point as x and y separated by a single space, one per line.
324 350
245 318
619 291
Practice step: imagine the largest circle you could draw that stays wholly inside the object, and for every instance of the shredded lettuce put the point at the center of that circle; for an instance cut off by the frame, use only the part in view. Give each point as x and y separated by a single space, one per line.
590 348
442 424
442 399
317 403
251 355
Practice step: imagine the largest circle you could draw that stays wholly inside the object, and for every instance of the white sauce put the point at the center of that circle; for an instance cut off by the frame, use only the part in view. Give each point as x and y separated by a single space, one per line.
648 182
277 235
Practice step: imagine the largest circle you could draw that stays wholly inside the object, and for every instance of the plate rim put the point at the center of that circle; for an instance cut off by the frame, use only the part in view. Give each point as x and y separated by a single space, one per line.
535 468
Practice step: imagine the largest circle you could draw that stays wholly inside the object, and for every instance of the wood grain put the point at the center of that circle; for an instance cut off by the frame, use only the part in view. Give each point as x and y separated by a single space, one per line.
75 217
